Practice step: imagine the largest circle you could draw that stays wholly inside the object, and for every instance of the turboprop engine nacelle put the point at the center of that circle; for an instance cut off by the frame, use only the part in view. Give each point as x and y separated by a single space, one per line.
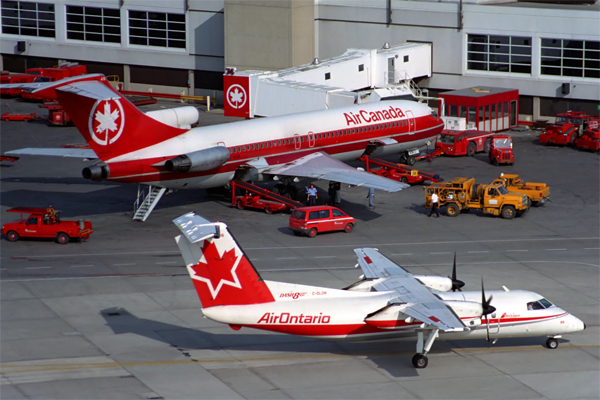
201 160
440 283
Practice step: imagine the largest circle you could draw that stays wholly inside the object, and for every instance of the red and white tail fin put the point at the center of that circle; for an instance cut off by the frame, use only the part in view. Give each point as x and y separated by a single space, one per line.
221 272
110 123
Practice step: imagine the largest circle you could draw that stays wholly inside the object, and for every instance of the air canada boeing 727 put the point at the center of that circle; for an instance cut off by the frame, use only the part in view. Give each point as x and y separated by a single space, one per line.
161 149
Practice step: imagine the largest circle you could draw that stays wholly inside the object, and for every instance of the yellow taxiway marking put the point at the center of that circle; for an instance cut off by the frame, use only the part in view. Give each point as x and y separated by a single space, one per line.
15 368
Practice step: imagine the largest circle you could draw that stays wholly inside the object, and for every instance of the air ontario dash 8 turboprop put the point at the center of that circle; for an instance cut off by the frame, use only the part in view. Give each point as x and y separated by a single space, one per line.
160 148
388 302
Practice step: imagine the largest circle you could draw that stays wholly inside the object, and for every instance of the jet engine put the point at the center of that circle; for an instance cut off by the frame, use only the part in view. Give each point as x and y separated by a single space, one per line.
201 160
180 117
96 172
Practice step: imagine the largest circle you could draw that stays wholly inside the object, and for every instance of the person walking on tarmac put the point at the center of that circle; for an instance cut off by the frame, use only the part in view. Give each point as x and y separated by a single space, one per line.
371 197
434 205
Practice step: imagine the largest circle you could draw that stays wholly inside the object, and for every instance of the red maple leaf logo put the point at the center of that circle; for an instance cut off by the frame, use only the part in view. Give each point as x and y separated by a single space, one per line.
217 270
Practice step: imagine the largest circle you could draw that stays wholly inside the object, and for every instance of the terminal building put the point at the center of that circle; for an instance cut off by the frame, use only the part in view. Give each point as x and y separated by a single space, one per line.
550 52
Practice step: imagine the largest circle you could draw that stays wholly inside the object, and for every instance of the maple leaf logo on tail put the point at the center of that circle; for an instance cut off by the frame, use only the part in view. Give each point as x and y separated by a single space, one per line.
107 121
223 275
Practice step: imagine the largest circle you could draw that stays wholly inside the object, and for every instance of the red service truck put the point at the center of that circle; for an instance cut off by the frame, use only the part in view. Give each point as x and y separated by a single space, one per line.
501 150
568 127
459 143
45 223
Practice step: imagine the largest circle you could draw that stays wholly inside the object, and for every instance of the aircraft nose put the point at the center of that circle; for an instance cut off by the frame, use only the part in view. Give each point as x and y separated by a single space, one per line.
575 323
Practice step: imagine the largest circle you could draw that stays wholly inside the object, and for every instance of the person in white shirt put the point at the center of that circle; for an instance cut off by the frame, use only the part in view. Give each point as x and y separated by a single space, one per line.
434 205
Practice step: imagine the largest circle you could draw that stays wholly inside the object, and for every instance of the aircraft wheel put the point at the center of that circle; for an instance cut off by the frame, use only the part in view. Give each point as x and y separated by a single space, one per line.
552 343
495 162
348 228
239 205
312 233
62 238
420 361
12 236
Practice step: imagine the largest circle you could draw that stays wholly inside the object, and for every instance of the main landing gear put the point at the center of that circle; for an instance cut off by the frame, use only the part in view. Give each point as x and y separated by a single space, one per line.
420 360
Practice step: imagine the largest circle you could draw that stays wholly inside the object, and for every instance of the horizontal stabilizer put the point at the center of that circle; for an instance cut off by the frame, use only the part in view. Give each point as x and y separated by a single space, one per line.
56 152
195 228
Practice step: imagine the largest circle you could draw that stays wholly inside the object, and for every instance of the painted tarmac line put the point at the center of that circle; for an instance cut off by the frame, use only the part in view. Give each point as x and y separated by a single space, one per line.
37 267
442 252
481 251
556 249
402 254
176 252
287 258
17 369
82 266
515 250
326 257
120 265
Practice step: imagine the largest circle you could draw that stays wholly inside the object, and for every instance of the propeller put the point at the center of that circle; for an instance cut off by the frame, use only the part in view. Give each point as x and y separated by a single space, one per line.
487 308
456 284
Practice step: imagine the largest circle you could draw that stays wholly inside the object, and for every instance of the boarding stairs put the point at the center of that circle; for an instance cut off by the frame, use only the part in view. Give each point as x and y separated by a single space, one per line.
143 209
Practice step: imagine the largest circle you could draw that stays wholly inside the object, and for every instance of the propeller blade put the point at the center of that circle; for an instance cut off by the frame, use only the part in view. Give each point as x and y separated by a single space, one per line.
456 284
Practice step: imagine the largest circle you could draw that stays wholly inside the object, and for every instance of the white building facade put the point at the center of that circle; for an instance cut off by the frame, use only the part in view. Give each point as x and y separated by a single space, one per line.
550 52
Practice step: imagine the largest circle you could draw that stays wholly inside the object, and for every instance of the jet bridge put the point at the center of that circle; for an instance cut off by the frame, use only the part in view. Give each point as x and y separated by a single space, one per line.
357 76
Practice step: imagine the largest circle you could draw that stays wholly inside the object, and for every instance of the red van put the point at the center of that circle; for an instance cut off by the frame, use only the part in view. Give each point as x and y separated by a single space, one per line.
317 219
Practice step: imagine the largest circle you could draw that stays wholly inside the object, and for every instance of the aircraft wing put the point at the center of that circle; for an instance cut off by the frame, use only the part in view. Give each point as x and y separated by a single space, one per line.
57 152
323 166
420 303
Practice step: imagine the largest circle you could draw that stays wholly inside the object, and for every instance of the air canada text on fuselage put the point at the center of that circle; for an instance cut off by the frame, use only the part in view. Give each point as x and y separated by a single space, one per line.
364 116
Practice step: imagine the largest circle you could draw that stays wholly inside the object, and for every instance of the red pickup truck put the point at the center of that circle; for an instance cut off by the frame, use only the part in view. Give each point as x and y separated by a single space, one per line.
45 223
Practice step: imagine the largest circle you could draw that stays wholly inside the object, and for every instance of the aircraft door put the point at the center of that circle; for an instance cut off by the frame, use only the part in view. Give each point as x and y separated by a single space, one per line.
494 319
391 70
297 143
412 126
311 139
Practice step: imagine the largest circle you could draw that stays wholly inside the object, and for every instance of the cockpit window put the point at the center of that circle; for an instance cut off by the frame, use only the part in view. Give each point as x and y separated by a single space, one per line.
546 303
536 305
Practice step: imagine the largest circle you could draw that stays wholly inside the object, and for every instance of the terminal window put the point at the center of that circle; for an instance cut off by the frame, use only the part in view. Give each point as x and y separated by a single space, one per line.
94 24
28 19
511 54
148 28
573 58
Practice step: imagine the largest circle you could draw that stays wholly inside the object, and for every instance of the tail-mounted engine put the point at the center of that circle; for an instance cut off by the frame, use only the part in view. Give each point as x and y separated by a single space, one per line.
201 160
96 172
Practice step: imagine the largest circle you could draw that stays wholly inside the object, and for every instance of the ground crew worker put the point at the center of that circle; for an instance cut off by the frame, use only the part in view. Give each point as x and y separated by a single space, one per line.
51 214
434 205
371 197
312 195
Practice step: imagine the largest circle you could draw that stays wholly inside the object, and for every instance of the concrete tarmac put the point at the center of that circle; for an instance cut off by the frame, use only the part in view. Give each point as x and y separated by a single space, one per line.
117 317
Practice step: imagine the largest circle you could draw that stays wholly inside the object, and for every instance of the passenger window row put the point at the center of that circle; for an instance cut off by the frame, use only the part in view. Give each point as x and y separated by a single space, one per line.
317 136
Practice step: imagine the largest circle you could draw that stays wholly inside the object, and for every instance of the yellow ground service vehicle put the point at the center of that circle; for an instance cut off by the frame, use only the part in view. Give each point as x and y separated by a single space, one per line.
538 193
463 194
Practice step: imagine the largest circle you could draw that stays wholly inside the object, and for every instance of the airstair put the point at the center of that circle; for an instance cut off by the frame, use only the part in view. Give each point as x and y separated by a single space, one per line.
143 209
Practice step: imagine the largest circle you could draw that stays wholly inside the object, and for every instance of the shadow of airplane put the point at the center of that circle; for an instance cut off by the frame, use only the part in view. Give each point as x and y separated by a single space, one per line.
391 355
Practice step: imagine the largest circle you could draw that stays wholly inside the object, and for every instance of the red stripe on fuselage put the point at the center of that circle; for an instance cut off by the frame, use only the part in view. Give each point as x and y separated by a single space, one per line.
341 330
144 170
